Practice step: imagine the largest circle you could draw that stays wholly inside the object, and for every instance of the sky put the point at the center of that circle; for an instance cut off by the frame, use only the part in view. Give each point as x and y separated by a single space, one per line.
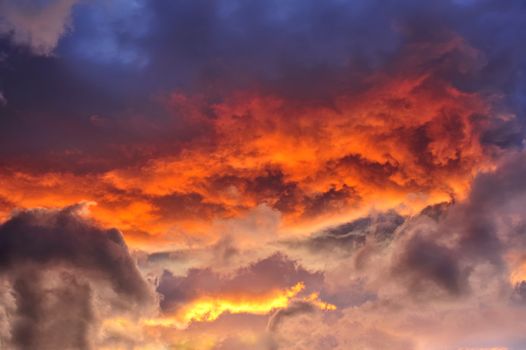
262 174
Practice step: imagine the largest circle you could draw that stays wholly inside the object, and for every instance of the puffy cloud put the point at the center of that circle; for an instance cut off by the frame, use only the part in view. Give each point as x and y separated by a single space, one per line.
60 274
272 273
449 277
238 308
50 317
36 24
55 237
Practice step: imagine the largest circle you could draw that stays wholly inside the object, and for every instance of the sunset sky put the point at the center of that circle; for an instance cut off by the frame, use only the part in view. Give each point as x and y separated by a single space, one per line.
262 174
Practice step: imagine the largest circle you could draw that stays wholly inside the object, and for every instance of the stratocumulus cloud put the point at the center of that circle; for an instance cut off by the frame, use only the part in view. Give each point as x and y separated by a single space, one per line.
262 174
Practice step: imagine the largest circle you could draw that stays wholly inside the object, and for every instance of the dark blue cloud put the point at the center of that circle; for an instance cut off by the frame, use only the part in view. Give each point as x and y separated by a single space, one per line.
290 45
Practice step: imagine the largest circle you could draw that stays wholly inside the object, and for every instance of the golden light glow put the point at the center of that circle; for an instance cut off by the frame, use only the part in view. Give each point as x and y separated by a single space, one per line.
314 299
516 262
209 308
518 275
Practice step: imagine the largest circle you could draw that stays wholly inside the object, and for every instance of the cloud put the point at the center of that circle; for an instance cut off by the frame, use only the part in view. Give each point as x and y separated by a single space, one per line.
438 270
255 279
344 239
383 106
296 308
234 343
289 50
50 318
38 25
64 272
372 143
56 237
423 261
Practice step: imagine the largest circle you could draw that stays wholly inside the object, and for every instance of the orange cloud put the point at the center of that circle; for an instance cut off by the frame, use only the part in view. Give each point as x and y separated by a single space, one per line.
409 140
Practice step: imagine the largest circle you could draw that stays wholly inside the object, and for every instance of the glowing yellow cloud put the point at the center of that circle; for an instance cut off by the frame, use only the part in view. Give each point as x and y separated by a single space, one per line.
209 308
314 299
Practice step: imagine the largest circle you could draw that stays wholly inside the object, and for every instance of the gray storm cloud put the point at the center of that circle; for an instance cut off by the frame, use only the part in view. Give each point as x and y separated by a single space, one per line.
55 265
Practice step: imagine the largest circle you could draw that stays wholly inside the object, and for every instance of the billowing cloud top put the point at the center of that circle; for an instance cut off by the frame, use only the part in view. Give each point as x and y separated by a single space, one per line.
294 174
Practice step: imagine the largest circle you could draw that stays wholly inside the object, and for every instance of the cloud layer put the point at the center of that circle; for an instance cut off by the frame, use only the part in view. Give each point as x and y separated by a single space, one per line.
262 174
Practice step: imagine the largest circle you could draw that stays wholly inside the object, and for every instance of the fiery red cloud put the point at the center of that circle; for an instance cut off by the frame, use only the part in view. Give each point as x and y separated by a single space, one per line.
406 141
